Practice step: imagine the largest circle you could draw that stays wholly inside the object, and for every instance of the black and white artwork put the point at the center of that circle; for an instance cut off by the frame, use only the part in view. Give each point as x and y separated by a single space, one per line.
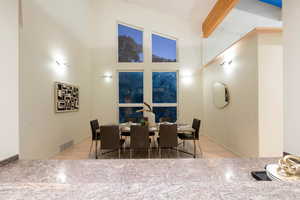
66 97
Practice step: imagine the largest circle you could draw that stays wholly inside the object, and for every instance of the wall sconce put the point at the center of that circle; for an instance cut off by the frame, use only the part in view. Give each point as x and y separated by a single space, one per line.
107 77
187 77
226 63
61 64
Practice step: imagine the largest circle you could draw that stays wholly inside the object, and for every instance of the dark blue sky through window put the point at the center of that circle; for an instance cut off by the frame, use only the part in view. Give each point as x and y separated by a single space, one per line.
130 44
131 87
164 86
277 3
130 112
163 49
165 112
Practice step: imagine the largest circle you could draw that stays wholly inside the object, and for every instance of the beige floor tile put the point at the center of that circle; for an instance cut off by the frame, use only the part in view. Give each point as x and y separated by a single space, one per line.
210 150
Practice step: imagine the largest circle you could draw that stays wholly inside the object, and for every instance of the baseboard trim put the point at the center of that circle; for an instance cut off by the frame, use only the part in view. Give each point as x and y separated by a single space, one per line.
9 160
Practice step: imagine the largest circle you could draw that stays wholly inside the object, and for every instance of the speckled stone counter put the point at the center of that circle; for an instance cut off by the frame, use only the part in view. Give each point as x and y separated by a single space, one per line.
141 179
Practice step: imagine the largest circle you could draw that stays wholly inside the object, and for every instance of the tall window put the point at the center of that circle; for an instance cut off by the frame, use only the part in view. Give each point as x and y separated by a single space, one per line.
130 44
131 95
163 49
164 95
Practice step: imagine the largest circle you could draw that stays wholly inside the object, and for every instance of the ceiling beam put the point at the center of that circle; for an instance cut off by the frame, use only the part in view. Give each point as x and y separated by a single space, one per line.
217 15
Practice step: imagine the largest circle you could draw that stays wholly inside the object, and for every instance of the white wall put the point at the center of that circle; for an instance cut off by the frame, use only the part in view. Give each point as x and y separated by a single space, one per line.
291 47
270 63
252 124
43 41
237 24
9 79
105 14
236 126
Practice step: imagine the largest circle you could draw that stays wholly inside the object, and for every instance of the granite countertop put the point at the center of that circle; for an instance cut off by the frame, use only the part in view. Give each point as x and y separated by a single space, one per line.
141 179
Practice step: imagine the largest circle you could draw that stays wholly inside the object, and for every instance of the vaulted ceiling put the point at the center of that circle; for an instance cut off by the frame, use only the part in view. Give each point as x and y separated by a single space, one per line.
188 9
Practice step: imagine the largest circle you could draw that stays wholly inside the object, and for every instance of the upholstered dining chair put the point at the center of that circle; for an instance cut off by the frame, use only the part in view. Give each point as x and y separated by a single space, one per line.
129 119
151 133
110 139
95 128
192 136
167 137
139 138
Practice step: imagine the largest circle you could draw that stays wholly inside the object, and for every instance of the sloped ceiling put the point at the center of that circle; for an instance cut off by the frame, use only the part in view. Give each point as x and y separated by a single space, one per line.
189 9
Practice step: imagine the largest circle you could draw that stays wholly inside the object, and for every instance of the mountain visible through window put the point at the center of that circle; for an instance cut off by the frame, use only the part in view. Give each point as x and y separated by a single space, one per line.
163 49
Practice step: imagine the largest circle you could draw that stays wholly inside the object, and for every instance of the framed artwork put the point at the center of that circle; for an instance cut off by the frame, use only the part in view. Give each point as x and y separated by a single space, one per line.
66 97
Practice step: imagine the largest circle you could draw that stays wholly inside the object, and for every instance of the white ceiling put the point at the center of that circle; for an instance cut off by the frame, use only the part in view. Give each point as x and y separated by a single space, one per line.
74 14
189 9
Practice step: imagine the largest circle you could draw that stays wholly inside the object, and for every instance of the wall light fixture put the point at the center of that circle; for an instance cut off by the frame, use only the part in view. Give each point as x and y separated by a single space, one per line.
226 63
61 64
107 76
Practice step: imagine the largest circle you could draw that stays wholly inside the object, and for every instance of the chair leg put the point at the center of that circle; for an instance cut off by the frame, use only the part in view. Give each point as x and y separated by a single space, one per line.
130 153
183 143
119 152
153 137
194 148
96 151
91 147
159 152
148 153
201 152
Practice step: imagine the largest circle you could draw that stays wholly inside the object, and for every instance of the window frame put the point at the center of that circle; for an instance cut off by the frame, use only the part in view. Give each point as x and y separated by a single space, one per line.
177 91
117 42
167 37
117 91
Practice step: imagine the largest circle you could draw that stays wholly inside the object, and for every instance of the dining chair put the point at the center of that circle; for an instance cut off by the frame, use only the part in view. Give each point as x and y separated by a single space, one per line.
192 136
110 139
128 119
151 133
95 128
139 138
167 137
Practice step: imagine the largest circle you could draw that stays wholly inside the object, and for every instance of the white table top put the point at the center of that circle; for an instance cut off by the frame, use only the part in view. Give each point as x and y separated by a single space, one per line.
185 128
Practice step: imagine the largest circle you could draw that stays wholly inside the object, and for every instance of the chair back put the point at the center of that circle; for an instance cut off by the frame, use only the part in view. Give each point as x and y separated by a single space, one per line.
139 137
196 125
94 127
165 119
109 137
168 136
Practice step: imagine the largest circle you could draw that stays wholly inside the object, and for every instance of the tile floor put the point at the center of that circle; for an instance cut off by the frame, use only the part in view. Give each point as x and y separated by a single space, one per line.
209 148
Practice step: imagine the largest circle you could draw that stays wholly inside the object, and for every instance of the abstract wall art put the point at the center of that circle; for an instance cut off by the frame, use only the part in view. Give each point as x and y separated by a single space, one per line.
66 97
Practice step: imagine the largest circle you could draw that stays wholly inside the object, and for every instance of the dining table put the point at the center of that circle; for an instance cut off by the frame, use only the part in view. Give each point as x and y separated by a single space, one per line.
181 127
125 127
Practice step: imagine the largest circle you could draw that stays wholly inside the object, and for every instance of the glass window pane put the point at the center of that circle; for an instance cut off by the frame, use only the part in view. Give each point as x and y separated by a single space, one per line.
130 112
130 44
165 112
131 87
164 87
163 49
